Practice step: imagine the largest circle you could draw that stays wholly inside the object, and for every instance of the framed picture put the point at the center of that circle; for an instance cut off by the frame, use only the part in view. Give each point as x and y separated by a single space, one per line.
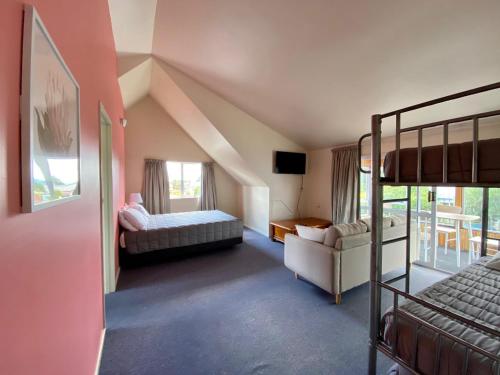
50 121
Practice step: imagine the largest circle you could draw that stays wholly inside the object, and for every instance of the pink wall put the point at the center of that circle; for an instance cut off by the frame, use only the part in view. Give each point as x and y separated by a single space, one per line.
50 261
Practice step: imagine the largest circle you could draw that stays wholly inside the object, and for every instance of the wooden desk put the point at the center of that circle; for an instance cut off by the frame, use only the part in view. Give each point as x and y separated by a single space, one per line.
282 227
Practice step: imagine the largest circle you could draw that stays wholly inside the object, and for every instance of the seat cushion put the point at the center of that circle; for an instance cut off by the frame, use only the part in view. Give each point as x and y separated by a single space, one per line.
349 242
335 232
368 222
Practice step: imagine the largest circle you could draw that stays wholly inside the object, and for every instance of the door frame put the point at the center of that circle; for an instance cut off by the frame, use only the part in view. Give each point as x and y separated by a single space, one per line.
106 201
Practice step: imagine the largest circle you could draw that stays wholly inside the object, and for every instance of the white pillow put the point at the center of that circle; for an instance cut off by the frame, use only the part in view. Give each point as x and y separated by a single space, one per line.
494 263
141 209
124 223
136 218
310 233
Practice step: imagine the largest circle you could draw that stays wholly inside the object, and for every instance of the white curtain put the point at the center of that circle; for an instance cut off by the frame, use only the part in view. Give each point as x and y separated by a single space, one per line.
155 187
345 176
208 191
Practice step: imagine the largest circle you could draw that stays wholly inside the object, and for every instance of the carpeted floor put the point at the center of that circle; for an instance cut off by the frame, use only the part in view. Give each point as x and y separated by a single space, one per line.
238 311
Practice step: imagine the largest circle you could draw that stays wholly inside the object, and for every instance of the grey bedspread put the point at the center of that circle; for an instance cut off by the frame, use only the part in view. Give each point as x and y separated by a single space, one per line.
183 229
473 293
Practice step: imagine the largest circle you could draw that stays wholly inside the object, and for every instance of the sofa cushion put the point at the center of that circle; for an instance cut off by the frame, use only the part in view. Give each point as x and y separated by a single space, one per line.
311 233
368 222
330 236
356 240
389 233
335 232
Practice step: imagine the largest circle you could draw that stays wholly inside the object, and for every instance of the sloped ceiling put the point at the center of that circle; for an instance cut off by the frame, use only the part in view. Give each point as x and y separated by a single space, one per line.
133 25
186 113
315 71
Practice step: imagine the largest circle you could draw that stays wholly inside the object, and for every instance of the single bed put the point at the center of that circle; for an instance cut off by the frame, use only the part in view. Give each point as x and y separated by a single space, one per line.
459 163
182 231
473 293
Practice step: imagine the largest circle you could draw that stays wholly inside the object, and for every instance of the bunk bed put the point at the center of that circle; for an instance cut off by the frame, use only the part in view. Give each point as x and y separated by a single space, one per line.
452 327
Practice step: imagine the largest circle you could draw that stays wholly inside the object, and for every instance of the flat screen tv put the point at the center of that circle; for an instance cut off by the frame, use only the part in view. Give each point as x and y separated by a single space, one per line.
289 162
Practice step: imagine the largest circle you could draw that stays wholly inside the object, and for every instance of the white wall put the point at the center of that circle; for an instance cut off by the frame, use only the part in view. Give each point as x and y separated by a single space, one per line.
318 185
152 133
255 202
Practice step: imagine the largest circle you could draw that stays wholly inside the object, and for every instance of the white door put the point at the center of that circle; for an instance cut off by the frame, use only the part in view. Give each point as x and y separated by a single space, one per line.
106 174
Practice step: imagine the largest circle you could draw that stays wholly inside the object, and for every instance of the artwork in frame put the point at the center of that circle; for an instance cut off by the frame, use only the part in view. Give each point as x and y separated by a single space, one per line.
50 121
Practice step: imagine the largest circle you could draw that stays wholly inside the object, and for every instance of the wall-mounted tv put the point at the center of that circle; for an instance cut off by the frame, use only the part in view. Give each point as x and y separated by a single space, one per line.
289 162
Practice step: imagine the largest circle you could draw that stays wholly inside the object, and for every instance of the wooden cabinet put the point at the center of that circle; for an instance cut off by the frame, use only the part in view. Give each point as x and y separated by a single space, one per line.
282 227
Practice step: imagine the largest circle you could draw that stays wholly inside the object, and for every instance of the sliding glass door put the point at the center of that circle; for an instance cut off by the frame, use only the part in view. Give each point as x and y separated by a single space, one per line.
449 223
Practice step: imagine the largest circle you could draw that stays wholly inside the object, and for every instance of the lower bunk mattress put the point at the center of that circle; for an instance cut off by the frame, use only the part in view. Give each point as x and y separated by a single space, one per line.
473 293
183 229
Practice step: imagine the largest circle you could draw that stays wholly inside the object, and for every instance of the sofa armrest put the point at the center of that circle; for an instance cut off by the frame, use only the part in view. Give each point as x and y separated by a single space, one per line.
313 261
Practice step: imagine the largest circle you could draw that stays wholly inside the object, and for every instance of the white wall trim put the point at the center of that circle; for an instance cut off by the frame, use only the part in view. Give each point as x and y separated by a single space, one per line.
99 354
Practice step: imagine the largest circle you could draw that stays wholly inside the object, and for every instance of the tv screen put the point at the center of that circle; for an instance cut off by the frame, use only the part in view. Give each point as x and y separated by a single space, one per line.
289 163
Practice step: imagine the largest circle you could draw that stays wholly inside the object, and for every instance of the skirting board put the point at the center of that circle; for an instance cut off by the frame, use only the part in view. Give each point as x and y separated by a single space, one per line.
99 354
256 230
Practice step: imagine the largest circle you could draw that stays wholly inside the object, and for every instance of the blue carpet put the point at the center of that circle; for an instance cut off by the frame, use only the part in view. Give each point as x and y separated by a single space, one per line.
237 311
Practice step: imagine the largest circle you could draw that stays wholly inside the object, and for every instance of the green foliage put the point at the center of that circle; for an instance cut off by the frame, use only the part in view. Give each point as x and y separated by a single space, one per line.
473 201
40 187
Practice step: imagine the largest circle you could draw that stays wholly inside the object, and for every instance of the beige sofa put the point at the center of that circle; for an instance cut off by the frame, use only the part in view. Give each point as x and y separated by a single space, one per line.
346 264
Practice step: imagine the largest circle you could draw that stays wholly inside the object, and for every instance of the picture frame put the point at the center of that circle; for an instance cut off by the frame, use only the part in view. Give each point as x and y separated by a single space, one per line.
50 121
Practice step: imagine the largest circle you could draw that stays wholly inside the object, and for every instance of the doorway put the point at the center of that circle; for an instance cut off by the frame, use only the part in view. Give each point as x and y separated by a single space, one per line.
106 177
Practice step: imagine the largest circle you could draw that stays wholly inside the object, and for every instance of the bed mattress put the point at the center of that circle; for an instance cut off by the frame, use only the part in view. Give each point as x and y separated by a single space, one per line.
183 229
459 163
473 293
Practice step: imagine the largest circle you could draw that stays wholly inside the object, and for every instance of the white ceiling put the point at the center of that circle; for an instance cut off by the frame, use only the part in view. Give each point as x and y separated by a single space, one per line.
316 70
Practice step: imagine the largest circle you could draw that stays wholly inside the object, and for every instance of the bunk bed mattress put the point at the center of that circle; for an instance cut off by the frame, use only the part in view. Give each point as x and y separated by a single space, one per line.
459 163
474 293
183 229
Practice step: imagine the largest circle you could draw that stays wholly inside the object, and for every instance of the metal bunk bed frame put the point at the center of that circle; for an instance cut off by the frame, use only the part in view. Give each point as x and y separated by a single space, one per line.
376 284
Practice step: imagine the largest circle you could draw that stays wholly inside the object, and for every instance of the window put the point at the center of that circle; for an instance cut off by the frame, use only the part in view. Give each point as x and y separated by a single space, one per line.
365 189
184 179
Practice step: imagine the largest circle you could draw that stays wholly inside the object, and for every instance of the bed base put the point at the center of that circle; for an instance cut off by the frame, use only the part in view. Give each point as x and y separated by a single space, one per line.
163 255
376 284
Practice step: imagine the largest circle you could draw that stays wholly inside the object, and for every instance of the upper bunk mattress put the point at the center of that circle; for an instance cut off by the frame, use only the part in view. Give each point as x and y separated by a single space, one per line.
459 163
473 293
183 229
